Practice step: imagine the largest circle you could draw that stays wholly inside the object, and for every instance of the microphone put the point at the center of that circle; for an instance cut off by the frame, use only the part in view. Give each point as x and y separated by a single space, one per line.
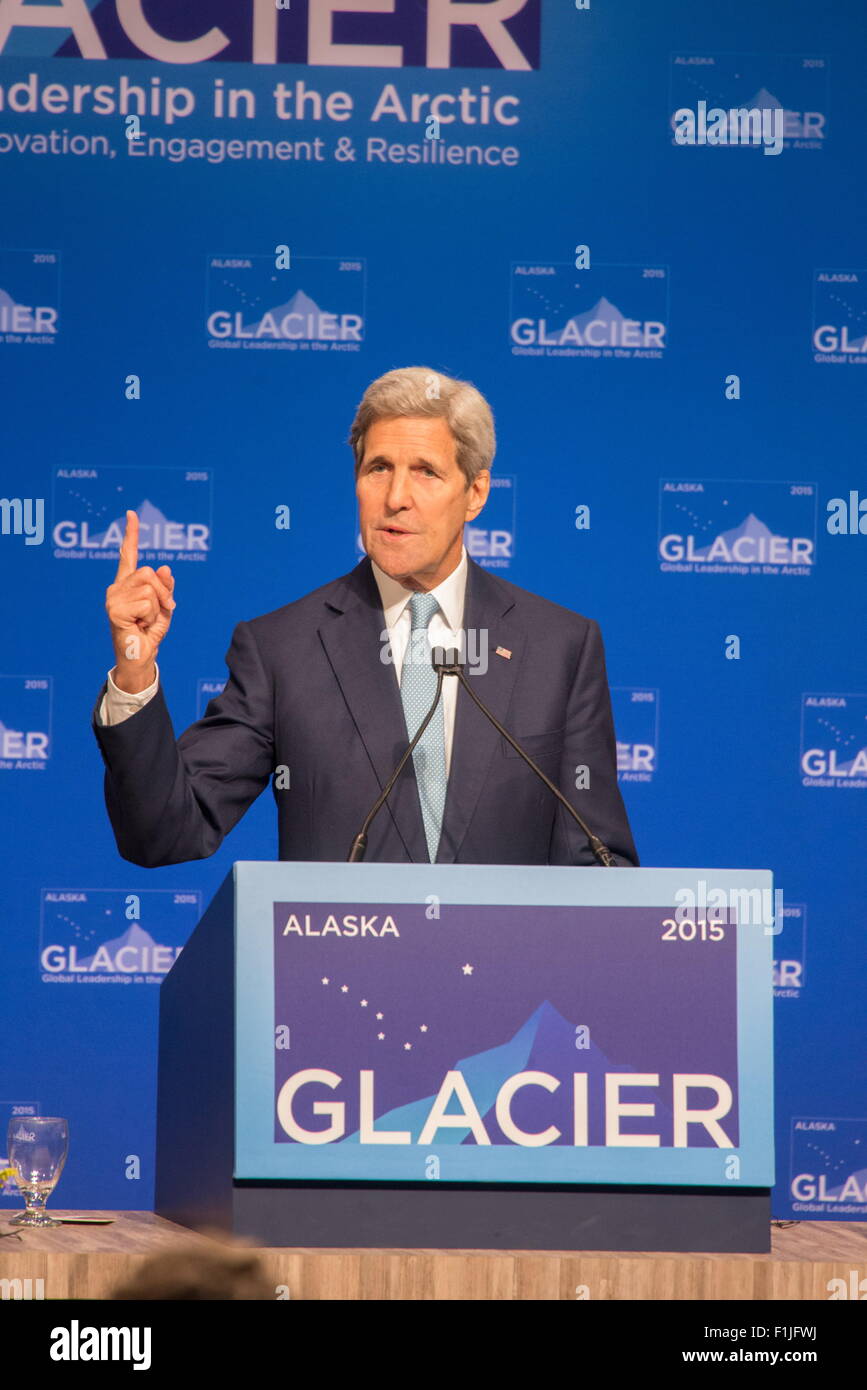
359 844
448 663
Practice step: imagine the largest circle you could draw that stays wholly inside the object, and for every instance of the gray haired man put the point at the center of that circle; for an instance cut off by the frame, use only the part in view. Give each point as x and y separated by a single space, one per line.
333 684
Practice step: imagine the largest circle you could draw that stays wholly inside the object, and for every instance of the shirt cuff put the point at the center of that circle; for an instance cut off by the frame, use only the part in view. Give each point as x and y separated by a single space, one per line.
118 705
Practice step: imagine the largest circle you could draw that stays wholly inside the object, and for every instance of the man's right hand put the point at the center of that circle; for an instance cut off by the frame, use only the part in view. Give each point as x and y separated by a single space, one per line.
139 605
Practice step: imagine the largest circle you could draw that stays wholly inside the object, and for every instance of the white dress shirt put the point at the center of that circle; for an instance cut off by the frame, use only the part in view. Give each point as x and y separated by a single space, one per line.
445 629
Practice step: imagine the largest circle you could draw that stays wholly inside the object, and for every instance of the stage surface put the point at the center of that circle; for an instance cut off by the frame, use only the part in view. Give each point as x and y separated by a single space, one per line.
89 1261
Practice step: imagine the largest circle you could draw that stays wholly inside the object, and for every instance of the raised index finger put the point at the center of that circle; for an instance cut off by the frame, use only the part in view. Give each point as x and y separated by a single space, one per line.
128 561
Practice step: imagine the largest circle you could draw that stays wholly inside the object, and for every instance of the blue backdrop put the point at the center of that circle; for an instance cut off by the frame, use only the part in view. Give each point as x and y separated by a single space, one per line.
666 305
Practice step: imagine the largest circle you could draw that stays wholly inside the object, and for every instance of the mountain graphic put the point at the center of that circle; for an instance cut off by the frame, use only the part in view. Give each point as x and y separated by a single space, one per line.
148 515
135 936
546 1042
762 99
750 526
603 311
7 302
300 303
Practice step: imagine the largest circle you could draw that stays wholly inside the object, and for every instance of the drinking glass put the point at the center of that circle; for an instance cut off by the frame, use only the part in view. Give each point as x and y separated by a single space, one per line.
37 1148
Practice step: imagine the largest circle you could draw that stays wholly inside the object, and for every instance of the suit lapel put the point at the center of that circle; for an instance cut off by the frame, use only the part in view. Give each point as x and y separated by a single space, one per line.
351 635
490 621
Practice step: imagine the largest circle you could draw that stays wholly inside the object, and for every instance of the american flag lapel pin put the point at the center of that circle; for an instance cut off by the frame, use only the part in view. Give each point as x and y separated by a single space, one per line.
504 651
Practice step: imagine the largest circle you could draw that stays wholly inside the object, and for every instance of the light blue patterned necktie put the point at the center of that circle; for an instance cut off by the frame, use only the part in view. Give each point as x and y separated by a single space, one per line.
418 683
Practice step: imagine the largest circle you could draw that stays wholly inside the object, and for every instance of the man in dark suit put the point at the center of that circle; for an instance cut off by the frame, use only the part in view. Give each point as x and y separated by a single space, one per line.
324 692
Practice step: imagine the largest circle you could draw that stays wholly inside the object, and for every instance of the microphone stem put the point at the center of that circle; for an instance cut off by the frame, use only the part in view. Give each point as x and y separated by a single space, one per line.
601 851
359 844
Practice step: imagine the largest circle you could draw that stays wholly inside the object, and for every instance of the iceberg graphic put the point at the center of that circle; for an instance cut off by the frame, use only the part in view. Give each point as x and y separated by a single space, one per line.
546 1042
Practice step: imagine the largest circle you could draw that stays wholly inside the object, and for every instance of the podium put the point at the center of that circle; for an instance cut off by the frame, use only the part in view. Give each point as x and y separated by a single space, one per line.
473 1057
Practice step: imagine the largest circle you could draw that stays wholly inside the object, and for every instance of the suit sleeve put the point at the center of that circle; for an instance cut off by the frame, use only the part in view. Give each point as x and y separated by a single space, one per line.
170 801
590 743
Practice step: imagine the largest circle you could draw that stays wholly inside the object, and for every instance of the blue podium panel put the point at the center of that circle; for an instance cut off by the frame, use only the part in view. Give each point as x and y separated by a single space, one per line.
503 1024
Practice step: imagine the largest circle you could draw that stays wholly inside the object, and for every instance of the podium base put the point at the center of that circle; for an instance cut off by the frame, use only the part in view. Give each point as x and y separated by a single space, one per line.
454 1216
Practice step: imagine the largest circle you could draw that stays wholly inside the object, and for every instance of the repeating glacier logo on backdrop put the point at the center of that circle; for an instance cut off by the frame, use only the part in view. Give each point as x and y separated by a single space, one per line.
316 305
490 539
174 507
834 741
732 83
29 297
92 935
427 33
790 948
636 719
828 1167
207 690
736 526
25 723
840 317
612 311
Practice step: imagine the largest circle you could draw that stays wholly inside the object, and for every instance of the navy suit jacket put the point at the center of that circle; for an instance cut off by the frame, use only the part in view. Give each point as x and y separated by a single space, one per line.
309 694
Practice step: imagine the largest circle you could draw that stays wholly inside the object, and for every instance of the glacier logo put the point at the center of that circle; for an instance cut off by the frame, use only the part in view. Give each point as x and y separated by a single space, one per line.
828 1175
636 719
25 723
610 311
91 506
29 295
834 741
492 544
325 33
764 101
840 317
480 1100
731 526
316 305
98 936
790 953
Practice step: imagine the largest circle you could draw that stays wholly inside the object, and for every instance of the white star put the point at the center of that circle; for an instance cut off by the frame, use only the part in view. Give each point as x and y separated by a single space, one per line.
344 989
379 1015
422 1028
364 1003
407 1047
380 1035
468 970
325 980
